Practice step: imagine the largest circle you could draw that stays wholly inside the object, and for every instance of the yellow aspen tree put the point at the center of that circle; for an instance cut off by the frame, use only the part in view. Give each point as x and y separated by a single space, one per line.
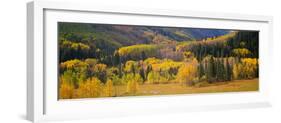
235 71
249 67
188 72
108 88
132 85
91 88
66 91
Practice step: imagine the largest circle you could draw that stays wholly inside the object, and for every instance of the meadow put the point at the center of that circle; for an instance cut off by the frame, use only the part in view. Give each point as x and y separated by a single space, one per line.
176 88
172 88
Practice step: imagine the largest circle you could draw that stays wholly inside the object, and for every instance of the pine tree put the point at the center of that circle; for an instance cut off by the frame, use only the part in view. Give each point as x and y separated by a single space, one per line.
210 70
148 69
228 71
143 56
116 58
222 70
133 69
201 71
142 74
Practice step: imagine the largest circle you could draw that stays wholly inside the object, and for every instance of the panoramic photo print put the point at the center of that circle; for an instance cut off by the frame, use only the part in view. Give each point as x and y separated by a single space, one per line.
104 60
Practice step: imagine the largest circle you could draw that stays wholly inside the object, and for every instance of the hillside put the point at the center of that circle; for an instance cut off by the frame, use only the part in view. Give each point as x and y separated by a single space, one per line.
129 35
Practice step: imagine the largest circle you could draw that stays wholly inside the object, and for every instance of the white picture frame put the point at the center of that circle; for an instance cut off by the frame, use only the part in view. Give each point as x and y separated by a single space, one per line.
42 103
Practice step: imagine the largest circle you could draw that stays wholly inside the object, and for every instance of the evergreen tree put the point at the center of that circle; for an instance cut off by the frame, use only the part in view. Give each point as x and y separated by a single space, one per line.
142 74
116 59
143 56
228 71
211 70
221 70
201 71
148 69
133 69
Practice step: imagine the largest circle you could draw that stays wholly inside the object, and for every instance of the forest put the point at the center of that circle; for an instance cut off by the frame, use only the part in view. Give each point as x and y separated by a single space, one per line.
98 60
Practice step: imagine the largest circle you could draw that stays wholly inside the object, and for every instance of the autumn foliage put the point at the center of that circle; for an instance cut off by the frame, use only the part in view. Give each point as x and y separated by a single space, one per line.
187 73
66 91
90 67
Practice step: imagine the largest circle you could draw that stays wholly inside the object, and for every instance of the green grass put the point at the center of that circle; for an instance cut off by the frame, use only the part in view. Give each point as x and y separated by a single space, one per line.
175 88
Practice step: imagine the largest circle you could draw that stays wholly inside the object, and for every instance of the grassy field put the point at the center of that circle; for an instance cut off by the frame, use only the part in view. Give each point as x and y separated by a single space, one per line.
174 88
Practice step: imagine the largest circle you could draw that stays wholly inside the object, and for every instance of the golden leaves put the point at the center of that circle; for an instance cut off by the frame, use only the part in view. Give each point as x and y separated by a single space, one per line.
187 72
108 90
74 45
248 68
90 88
241 52
66 91
136 50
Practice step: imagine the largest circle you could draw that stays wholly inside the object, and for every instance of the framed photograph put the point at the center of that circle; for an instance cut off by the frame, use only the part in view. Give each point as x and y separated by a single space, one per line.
90 61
